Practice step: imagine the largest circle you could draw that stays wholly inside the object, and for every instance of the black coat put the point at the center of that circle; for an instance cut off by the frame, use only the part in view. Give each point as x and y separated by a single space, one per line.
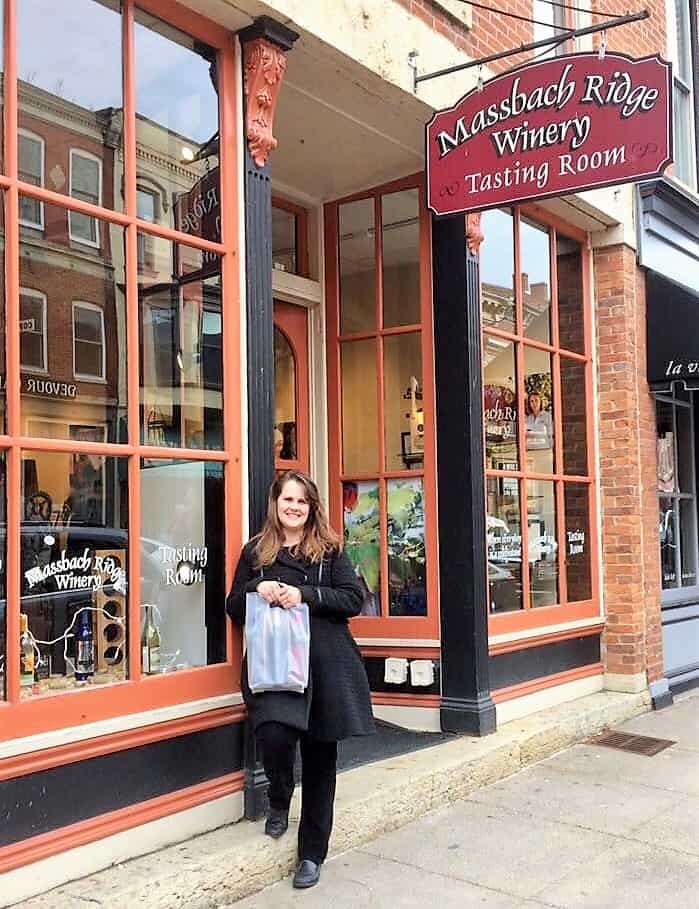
336 703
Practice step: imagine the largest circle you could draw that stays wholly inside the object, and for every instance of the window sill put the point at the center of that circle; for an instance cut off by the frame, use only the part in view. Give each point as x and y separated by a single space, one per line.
94 380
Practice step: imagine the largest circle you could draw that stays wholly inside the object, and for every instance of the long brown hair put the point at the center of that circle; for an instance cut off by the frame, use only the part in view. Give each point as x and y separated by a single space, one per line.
318 537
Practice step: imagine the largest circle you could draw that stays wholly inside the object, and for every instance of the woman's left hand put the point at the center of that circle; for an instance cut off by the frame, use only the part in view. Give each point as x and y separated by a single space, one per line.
288 596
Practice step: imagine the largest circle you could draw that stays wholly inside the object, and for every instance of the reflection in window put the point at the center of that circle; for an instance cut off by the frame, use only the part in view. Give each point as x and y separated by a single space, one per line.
30 165
284 399
578 545
70 73
500 410
543 543
538 390
400 252
360 508
536 280
406 548
497 269
504 544
357 267
181 348
569 281
182 561
177 117
360 442
88 341
83 336
404 415
32 330
574 417
284 240
86 185
74 562
3 562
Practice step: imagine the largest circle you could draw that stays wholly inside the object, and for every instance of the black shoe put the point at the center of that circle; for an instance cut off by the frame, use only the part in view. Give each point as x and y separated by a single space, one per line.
277 823
307 874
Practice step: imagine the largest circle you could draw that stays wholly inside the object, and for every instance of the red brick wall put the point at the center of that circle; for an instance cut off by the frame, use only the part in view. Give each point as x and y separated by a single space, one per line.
631 559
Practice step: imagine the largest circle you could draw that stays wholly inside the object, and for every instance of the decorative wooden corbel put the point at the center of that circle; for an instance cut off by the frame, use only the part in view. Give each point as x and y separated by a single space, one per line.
474 234
265 45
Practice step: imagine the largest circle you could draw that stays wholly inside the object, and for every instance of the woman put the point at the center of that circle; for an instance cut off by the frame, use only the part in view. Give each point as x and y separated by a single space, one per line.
538 423
296 558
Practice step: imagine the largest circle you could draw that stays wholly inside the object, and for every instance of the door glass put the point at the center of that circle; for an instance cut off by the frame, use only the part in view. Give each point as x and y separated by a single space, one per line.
360 439
404 417
360 509
400 225
357 267
406 548
284 399
504 537
284 240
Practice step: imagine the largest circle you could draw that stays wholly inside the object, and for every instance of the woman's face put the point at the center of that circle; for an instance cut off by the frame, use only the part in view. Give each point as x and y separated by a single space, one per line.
292 506
535 404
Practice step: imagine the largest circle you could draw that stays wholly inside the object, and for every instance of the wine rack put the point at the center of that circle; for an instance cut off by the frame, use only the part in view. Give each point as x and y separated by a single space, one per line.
110 626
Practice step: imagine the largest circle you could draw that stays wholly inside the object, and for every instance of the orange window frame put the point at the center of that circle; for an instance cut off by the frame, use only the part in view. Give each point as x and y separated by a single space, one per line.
137 693
529 617
384 626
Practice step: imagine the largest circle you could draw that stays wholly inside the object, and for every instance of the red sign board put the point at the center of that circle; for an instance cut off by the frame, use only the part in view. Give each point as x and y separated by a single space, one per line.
551 128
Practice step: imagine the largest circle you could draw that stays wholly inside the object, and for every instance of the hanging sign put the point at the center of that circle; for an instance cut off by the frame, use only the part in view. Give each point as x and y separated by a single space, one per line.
551 128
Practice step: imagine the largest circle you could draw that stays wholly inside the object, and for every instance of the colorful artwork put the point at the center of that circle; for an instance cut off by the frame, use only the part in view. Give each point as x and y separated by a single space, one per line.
360 502
406 548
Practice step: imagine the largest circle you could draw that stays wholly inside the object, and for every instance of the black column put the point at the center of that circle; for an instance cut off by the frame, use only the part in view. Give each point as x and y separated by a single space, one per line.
466 703
260 360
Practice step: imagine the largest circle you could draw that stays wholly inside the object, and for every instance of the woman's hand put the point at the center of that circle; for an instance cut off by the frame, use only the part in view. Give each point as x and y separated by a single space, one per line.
270 591
288 596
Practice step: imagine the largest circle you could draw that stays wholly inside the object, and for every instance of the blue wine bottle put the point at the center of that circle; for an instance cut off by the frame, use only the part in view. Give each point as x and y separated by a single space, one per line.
85 657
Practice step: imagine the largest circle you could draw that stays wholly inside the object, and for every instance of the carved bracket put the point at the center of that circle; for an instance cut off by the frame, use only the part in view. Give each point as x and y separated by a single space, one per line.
264 66
474 233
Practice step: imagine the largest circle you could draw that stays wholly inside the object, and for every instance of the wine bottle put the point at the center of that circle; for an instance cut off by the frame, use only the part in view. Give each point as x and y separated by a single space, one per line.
26 653
150 644
85 657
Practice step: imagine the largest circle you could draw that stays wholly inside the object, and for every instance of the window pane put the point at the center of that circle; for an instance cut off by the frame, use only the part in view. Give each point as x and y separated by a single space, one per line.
357 267
406 548
284 398
500 404
497 269
74 562
400 223
2 308
578 554
360 441
2 76
536 280
85 177
177 117
181 348
503 527
682 128
31 164
360 504
574 417
30 212
145 205
182 563
538 388
685 449
3 563
668 543
404 417
284 240
70 74
569 282
543 543
688 542
31 330
54 404
665 446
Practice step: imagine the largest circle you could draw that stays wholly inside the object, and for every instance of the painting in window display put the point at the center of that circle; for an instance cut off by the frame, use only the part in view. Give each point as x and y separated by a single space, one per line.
406 548
504 544
74 561
360 505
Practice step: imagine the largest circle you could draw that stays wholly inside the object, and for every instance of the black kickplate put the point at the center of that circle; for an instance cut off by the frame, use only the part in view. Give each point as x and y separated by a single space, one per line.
629 741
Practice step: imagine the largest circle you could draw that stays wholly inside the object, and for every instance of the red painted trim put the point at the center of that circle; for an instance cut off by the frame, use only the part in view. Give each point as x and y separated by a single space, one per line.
549 681
550 637
33 762
46 845
406 700
412 653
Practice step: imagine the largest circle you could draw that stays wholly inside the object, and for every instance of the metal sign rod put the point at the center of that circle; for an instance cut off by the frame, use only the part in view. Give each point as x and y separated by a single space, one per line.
544 42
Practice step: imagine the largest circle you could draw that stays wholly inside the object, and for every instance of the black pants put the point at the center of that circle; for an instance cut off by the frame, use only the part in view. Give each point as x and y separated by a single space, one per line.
318 776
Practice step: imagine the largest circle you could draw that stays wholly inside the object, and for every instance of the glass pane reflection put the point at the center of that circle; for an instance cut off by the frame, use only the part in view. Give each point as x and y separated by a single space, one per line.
3 563
406 548
360 508
404 416
504 539
181 348
497 268
357 267
400 225
74 562
569 279
543 543
500 411
284 398
574 417
536 281
177 122
360 438
578 553
539 425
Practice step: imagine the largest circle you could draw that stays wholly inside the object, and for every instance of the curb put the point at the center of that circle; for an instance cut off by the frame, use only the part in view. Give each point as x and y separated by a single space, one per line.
225 865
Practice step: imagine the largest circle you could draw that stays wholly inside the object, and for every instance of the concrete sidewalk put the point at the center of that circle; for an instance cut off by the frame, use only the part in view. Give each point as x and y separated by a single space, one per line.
233 862
590 826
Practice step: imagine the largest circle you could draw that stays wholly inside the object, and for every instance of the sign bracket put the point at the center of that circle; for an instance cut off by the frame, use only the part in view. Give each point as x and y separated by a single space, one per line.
558 38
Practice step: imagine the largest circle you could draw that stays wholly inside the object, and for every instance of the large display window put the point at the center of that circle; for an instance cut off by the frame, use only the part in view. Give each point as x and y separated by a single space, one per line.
120 378
537 377
381 405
